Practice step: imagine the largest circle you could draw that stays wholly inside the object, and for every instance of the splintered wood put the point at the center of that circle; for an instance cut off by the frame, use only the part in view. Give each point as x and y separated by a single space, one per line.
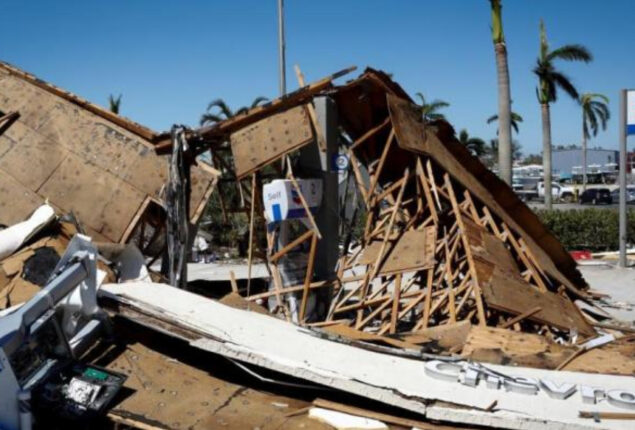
437 250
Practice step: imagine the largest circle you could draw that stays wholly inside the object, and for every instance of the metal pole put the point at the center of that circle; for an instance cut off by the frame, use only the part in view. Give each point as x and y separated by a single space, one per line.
623 155
281 59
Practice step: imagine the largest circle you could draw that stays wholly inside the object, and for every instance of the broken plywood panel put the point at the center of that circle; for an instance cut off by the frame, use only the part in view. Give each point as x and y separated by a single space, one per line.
98 199
502 346
261 143
617 357
53 123
16 200
447 336
516 296
32 160
413 251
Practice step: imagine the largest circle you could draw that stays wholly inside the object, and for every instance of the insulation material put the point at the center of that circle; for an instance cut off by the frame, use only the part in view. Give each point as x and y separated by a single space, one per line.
13 237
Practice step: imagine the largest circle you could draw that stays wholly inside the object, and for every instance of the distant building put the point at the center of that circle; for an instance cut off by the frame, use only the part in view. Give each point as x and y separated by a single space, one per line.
601 163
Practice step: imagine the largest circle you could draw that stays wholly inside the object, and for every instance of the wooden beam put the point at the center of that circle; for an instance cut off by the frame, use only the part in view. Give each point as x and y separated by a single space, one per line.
302 199
521 317
232 279
395 304
370 133
311 111
251 232
468 251
307 278
380 164
281 253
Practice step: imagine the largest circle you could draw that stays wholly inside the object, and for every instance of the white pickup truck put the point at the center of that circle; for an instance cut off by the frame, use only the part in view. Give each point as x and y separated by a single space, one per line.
558 192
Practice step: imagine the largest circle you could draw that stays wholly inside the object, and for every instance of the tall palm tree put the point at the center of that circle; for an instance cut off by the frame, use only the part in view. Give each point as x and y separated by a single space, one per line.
549 80
475 145
114 103
504 94
430 111
515 119
225 112
595 114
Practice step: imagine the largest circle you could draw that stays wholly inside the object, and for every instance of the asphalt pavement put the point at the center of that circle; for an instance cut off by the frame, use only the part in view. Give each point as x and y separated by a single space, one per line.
569 206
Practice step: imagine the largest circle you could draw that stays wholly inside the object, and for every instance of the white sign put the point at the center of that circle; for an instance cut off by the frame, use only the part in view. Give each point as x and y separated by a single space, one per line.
471 374
630 112
283 202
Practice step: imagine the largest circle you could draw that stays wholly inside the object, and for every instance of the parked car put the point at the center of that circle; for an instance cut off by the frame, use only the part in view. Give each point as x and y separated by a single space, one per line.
596 196
630 195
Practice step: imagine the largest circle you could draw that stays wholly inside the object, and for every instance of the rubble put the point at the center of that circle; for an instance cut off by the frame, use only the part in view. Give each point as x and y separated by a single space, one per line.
449 269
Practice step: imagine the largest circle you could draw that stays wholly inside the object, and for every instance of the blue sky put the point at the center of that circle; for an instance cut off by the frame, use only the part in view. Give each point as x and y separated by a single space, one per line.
169 59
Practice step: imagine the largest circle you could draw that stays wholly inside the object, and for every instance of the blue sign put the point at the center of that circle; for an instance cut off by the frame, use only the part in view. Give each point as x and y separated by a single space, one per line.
630 112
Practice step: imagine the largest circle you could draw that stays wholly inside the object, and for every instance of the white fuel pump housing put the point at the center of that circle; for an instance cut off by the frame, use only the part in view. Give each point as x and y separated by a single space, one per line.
282 201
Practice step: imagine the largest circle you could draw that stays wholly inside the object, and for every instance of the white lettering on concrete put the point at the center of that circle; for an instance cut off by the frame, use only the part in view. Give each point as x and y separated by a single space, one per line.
469 376
522 385
443 370
591 395
621 398
557 391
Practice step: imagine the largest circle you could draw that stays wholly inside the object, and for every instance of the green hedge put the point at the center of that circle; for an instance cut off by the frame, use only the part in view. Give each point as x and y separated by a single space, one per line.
592 229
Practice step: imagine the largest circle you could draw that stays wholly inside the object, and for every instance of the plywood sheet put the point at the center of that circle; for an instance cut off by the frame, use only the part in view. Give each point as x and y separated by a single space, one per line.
32 160
502 346
261 143
16 200
413 251
112 171
490 250
102 202
517 296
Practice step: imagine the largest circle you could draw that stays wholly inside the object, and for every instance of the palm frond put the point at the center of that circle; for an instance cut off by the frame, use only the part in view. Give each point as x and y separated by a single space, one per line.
571 53
209 118
516 117
492 118
222 107
259 100
563 81
114 103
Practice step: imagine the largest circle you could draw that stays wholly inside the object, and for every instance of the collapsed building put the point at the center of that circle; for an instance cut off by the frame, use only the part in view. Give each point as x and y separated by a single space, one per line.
398 264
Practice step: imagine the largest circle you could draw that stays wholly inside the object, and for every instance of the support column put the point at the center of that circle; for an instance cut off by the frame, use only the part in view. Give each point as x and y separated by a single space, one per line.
623 156
315 163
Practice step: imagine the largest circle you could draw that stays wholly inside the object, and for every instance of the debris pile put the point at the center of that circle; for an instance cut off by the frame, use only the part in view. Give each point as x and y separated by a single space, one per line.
444 240
397 264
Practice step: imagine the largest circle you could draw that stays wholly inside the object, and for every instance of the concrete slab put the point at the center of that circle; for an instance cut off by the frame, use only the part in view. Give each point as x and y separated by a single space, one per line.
403 382
220 271
619 283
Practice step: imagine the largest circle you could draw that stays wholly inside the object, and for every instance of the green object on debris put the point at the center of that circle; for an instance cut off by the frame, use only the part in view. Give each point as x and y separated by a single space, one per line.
95 374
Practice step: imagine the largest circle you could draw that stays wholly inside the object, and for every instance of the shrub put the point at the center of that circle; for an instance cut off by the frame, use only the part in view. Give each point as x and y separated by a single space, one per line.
592 229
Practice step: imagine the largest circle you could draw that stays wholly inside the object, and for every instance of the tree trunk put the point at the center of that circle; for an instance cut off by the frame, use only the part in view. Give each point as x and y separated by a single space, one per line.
584 160
546 152
505 154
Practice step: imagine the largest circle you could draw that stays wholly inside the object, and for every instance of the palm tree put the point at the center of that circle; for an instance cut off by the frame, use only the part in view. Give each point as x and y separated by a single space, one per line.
430 111
475 145
515 119
550 80
224 112
492 150
114 103
595 113
504 94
